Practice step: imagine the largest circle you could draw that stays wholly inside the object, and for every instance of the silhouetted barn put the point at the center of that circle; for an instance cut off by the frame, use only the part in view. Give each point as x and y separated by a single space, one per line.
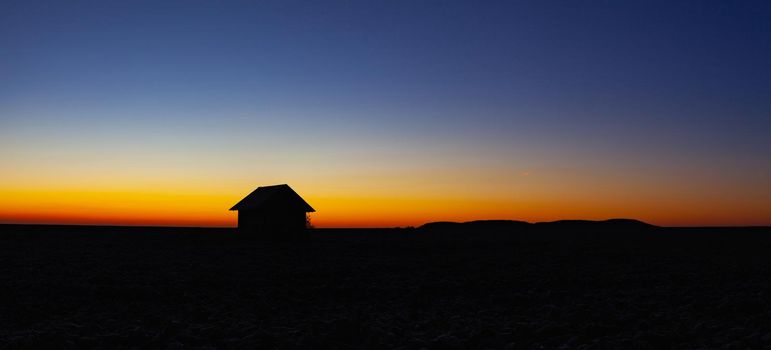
272 209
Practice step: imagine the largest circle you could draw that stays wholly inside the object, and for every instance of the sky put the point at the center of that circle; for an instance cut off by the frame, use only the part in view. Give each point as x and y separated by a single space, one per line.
386 113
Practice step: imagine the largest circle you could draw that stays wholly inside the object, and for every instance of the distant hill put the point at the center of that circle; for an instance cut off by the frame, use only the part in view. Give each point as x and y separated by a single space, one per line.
513 225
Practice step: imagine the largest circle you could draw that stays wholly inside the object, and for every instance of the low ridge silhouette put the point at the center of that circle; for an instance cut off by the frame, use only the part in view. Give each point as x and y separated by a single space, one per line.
498 225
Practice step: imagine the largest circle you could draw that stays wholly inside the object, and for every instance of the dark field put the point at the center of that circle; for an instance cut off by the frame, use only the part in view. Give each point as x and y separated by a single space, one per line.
467 288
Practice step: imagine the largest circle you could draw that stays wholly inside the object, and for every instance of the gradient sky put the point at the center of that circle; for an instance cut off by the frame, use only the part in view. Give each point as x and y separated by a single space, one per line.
386 113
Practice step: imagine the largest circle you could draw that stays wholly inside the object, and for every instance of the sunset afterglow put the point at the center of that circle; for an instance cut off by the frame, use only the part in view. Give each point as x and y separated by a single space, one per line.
149 114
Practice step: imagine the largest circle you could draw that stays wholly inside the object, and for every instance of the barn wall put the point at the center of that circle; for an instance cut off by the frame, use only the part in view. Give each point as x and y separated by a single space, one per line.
268 222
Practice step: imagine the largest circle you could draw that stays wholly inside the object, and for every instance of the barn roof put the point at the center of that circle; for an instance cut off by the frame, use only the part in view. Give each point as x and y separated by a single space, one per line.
273 197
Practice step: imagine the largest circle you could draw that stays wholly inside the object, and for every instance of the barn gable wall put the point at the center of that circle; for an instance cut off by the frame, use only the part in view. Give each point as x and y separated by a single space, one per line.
266 221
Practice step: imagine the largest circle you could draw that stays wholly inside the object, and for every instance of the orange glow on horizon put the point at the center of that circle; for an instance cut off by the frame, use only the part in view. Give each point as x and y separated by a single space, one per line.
211 210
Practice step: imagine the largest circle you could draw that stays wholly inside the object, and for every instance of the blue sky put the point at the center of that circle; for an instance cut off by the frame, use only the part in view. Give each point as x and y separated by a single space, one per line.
628 90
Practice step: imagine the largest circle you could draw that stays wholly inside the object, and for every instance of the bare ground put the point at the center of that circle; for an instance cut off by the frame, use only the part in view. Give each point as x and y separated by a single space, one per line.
103 287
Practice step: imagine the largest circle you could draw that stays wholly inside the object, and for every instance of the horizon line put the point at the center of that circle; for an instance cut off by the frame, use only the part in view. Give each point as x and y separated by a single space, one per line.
361 228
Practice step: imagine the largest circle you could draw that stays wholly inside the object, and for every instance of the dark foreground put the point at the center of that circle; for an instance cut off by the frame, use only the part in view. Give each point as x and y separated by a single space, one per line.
80 288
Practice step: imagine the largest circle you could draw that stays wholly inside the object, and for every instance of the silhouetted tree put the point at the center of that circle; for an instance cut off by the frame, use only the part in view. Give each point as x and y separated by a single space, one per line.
308 223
